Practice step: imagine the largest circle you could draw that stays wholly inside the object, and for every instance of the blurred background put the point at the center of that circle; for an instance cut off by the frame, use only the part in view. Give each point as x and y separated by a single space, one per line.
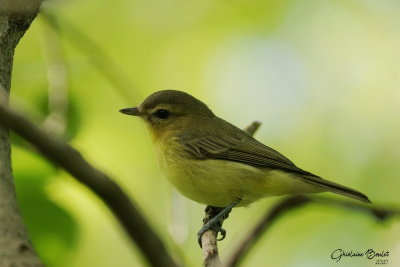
323 77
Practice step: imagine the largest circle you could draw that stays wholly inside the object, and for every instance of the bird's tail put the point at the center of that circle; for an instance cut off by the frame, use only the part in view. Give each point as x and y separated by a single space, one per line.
336 188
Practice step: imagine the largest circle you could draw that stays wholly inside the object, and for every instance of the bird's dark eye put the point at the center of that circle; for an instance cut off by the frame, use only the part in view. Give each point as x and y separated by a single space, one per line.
162 113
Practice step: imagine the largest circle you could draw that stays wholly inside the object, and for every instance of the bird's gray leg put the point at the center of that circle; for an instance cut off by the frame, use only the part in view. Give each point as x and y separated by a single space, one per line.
214 218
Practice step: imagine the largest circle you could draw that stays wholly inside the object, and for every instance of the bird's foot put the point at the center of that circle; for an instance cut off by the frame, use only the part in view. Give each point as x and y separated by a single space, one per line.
214 227
213 221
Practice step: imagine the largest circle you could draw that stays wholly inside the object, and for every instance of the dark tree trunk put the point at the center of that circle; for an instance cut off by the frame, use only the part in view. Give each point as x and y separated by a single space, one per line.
15 246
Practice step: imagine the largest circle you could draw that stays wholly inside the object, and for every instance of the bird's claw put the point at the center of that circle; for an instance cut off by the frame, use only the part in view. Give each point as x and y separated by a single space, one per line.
214 227
223 233
215 220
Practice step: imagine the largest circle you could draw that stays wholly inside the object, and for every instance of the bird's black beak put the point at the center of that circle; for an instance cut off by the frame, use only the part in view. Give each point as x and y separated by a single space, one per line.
131 111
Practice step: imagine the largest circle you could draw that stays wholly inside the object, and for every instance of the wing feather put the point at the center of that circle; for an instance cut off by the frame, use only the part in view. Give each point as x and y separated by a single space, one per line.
245 150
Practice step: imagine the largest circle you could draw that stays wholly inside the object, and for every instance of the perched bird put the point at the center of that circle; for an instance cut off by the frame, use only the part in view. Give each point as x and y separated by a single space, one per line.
215 163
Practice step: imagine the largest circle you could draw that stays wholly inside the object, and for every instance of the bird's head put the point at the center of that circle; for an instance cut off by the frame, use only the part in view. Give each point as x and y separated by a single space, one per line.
170 111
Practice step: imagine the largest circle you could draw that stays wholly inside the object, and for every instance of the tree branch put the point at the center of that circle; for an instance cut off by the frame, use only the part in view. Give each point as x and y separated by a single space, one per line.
114 197
209 240
252 128
57 79
210 249
294 202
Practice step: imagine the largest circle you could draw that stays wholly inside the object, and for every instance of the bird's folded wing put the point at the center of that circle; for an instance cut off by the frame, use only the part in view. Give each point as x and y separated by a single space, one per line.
249 151
240 149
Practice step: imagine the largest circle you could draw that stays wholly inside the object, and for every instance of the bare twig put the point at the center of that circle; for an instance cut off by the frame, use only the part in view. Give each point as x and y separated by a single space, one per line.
293 202
209 238
210 249
252 128
380 212
57 78
122 207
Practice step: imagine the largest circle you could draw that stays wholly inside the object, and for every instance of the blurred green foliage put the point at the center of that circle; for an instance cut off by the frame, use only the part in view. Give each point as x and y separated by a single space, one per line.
322 76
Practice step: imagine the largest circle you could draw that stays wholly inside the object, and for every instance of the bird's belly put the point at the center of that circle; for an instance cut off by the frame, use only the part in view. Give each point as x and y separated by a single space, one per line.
213 182
219 182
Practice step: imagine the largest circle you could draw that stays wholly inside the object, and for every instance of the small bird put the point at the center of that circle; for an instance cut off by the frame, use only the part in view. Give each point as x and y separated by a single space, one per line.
215 163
